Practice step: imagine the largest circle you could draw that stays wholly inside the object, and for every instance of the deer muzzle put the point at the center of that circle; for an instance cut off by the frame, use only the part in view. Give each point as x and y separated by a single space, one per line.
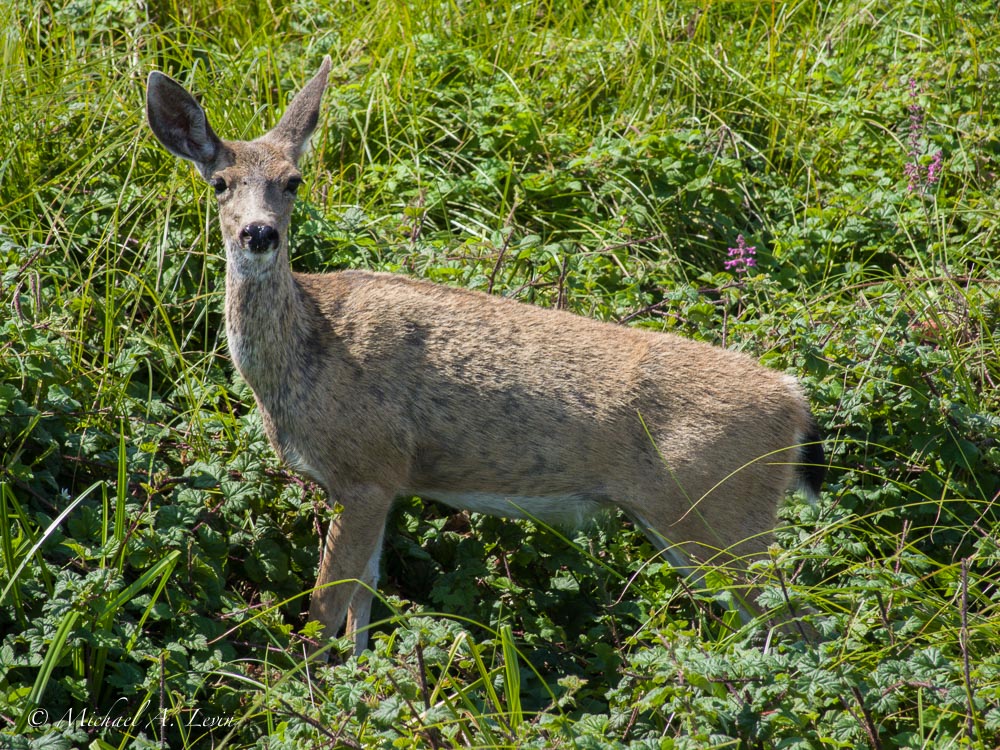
259 238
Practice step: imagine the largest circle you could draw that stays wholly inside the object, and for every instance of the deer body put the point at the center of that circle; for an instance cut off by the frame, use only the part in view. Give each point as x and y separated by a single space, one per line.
379 386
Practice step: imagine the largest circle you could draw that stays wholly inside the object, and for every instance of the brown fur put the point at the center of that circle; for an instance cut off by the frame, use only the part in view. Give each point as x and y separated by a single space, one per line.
377 386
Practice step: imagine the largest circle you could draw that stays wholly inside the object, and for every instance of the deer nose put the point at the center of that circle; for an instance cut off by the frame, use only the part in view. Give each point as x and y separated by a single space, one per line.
259 238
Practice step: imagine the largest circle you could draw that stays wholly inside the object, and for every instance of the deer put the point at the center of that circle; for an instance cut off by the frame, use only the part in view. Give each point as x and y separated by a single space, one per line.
378 386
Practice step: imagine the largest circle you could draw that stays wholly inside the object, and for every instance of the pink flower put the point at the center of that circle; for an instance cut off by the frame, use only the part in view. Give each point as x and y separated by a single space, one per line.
741 257
934 169
911 170
919 177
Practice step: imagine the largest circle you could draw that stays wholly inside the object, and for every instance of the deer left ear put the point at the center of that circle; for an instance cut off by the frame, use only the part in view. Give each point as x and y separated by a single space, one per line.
179 122
292 132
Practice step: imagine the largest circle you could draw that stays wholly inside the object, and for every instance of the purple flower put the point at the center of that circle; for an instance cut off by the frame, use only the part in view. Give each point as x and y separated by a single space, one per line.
919 177
911 170
934 169
741 257
916 118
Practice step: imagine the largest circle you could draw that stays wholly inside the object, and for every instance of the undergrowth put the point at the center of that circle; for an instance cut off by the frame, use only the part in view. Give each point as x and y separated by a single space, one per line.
155 558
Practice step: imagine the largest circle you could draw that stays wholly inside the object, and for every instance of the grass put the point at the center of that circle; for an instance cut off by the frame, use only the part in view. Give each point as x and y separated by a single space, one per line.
154 555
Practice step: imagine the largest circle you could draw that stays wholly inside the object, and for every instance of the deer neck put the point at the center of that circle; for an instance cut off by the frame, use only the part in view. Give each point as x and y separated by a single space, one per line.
264 320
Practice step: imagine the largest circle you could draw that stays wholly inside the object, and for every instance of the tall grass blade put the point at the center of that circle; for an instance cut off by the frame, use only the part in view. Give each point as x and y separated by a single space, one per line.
512 678
53 655
7 538
49 531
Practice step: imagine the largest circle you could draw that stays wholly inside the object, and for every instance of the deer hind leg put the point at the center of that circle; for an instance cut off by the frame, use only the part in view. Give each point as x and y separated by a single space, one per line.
717 531
351 554
689 560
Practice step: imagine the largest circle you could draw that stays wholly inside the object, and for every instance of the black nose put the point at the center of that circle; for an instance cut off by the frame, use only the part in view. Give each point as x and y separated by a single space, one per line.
259 238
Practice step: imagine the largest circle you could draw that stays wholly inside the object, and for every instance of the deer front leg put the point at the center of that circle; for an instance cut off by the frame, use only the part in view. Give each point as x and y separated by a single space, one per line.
359 611
351 554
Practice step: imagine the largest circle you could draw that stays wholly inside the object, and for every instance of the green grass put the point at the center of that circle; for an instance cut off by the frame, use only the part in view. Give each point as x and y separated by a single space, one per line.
600 156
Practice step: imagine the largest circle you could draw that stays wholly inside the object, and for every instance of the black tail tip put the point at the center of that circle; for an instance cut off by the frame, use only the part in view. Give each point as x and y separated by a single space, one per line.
812 462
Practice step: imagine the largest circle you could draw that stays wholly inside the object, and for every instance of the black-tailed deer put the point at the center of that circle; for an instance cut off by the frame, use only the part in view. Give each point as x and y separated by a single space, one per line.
377 386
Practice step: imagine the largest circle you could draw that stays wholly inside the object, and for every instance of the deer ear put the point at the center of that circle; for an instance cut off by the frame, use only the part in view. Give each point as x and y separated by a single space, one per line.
179 122
297 124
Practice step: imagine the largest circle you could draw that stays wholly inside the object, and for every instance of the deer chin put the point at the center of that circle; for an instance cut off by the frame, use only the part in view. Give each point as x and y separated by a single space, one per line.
254 264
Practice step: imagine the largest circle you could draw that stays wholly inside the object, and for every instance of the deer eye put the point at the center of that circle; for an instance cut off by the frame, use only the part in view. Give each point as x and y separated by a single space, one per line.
218 185
293 184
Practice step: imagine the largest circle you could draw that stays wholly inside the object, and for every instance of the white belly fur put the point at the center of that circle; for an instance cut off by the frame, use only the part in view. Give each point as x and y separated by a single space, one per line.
566 511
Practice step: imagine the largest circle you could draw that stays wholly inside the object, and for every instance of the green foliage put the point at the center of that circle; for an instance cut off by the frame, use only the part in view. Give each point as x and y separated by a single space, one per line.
155 558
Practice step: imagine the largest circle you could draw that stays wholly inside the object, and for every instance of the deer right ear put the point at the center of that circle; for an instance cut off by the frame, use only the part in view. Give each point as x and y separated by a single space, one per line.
297 124
179 122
